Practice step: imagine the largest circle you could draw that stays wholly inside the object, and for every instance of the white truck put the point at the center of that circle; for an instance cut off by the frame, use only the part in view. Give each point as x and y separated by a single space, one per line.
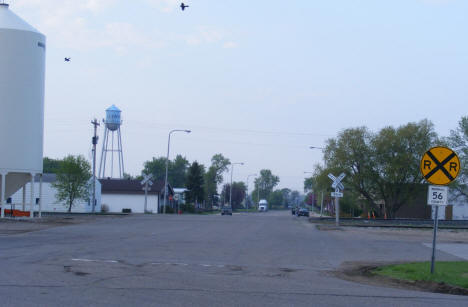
262 205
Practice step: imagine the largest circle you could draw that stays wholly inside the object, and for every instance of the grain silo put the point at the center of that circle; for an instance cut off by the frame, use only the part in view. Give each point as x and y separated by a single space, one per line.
22 72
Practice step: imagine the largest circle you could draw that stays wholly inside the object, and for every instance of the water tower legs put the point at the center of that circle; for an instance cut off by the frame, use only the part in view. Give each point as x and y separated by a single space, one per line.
106 149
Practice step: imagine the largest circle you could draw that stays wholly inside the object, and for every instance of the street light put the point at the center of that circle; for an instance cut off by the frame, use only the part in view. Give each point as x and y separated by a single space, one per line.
315 147
230 187
246 199
167 162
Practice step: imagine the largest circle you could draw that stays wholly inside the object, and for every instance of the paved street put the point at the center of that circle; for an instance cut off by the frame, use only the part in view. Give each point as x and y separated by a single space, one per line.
271 259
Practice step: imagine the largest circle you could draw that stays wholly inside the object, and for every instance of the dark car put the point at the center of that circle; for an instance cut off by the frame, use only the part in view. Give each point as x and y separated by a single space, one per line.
303 212
226 211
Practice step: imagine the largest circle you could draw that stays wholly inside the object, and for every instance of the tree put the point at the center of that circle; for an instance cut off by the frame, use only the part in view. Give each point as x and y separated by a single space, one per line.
381 166
276 199
177 170
72 180
195 183
265 183
51 166
214 176
458 141
238 193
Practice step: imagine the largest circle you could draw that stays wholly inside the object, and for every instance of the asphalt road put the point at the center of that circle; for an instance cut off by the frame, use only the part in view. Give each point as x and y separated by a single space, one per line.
270 259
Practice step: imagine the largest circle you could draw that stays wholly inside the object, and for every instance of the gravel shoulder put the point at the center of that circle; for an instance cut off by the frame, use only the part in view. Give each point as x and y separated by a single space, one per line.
13 226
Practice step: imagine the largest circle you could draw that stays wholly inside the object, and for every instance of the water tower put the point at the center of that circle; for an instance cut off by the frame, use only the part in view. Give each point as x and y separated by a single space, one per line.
112 135
22 73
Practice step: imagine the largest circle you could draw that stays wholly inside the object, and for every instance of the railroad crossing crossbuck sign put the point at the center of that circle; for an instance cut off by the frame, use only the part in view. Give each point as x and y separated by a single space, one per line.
337 185
440 165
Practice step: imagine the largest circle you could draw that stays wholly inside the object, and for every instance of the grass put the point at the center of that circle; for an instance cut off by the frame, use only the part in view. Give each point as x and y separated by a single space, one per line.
452 273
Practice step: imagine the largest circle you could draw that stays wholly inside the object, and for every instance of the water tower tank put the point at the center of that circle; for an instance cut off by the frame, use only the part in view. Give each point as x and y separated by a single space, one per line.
113 118
22 70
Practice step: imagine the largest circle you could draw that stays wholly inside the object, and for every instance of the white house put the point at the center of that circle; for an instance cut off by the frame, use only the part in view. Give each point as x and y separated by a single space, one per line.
21 199
121 194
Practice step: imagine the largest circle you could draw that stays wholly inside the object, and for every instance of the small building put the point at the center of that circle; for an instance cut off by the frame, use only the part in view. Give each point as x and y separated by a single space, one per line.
121 194
21 199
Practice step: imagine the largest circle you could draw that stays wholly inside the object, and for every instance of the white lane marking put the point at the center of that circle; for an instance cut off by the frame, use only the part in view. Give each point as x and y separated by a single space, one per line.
93 260
457 249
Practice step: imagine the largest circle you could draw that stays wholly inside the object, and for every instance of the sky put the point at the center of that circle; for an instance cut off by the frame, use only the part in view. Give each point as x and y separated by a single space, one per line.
258 81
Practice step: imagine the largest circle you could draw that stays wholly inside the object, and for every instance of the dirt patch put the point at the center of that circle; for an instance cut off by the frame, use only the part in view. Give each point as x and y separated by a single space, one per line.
14 226
363 273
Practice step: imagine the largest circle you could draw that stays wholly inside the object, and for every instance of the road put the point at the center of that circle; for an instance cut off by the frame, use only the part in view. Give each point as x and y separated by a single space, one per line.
270 259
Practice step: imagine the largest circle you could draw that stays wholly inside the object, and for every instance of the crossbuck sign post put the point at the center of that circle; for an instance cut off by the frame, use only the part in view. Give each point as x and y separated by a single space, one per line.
146 182
338 186
440 166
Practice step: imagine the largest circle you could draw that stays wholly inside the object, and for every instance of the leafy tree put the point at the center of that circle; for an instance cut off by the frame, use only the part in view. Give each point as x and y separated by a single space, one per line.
177 170
155 167
238 193
382 166
195 183
72 180
214 176
458 141
265 183
396 158
51 166
276 199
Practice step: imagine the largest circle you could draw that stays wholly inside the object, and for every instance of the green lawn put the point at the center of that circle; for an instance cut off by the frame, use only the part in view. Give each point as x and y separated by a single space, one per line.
452 273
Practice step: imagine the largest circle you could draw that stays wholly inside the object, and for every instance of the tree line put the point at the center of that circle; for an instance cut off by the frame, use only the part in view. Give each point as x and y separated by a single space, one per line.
202 183
383 168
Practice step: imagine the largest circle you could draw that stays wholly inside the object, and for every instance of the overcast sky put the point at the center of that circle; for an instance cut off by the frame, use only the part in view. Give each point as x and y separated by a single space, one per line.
258 81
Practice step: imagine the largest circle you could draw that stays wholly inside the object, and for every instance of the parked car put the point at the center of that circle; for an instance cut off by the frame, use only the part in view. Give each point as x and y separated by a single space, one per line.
303 212
226 211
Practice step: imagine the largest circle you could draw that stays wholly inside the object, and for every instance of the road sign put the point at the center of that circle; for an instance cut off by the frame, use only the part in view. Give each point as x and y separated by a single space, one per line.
437 196
336 194
337 181
338 186
147 179
440 165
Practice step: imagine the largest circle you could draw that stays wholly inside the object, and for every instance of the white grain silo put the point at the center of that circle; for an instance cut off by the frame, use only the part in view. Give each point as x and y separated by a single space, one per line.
22 72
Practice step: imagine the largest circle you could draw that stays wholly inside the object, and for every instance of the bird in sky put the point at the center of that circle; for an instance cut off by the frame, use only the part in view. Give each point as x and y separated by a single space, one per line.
183 6
67 59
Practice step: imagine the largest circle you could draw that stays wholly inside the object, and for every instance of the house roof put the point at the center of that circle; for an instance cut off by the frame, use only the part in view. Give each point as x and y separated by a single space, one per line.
130 186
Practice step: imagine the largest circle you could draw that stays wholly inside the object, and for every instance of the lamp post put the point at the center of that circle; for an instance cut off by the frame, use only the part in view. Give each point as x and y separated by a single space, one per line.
230 186
315 147
167 163
247 197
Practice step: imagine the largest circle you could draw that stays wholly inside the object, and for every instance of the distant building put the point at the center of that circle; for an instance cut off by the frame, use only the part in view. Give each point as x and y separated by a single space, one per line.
120 194
49 200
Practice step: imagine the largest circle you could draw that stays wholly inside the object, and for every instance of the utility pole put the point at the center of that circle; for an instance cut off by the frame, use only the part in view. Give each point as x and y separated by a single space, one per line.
94 140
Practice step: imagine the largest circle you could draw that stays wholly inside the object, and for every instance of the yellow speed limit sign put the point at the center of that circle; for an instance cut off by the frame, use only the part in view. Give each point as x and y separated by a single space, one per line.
440 165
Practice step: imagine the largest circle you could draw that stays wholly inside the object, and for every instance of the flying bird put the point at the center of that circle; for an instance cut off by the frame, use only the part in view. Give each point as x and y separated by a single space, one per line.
183 6
67 59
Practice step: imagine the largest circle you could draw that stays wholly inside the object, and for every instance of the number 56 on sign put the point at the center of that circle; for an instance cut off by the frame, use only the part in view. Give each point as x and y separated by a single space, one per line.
437 196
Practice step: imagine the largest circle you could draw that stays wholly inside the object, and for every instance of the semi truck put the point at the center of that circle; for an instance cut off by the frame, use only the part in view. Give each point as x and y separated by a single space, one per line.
262 205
